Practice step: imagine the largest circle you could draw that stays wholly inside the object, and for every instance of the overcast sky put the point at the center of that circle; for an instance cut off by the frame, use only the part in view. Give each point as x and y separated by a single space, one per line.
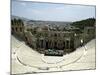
51 11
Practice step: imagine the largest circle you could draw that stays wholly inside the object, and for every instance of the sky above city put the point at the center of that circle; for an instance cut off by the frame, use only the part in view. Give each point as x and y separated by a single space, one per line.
52 11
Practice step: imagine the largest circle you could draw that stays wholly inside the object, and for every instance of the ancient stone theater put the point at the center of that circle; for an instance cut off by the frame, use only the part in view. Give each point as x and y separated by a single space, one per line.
49 40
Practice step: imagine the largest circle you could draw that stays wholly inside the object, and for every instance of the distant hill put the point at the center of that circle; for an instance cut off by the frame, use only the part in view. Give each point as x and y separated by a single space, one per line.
41 22
17 17
84 23
80 24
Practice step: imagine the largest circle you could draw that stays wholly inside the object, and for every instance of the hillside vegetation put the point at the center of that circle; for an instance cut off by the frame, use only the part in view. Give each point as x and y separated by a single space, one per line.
85 23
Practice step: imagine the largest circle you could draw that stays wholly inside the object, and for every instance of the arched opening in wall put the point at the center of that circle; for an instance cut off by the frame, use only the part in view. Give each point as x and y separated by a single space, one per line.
16 29
72 44
12 29
60 45
46 44
63 45
37 43
41 43
67 44
55 35
50 46
55 45
20 29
